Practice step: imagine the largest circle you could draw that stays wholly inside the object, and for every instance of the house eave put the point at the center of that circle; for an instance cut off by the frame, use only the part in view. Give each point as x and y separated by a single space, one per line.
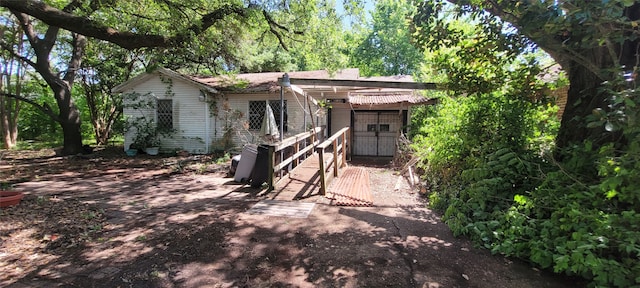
163 71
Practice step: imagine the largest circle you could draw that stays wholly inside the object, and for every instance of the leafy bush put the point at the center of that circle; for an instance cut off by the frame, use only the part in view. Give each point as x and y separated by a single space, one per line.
492 168
35 125
492 176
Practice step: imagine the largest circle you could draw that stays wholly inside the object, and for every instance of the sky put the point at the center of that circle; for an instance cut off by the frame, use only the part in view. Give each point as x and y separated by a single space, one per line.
369 5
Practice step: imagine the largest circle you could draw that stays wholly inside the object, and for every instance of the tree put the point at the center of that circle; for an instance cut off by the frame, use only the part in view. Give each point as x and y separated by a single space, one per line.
577 211
11 78
250 50
105 66
594 41
60 81
322 45
135 25
387 49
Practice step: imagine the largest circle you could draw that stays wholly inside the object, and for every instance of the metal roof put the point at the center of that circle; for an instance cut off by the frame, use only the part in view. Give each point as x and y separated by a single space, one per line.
360 90
387 98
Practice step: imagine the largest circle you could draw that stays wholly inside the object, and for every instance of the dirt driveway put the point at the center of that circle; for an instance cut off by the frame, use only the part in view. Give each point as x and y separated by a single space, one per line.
110 221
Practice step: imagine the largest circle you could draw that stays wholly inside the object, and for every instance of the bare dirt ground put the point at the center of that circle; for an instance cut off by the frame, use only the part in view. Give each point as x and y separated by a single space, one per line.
107 220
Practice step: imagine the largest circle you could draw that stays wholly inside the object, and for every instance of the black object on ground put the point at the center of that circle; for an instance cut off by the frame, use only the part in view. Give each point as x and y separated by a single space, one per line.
234 164
260 172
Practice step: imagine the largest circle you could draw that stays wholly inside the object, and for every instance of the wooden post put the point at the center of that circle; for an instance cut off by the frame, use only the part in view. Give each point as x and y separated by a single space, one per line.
312 141
323 179
296 149
344 148
348 134
335 157
270 179
313 136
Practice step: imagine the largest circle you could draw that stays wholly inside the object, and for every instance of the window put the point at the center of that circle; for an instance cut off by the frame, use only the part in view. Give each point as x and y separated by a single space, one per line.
257 111
165 114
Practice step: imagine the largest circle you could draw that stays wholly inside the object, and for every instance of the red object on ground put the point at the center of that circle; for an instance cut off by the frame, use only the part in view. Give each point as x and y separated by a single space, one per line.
352 188
10 198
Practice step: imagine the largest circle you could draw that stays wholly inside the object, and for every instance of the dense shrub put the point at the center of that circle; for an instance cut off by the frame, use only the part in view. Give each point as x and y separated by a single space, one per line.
492 169
487 163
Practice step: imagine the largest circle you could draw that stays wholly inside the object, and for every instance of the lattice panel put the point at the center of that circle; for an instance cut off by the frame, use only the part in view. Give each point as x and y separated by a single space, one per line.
256 114
257 111
165 114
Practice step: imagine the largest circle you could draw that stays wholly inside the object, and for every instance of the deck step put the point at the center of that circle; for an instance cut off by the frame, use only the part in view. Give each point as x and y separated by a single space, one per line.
351 188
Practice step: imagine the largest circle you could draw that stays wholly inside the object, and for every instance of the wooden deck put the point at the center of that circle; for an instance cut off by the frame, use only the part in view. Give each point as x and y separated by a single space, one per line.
350 188
301 182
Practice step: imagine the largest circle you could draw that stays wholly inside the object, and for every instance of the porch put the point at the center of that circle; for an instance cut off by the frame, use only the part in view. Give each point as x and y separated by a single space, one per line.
314 168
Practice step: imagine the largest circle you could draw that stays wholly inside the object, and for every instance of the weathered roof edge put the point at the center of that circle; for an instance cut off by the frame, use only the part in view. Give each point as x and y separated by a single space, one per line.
167 72
358 97
365 99
269 81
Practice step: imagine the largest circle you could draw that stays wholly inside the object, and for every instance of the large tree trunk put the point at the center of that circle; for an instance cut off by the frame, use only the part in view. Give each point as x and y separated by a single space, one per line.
69 120
589 91
72 138
589 62
61 83
69 113
583 97
9 109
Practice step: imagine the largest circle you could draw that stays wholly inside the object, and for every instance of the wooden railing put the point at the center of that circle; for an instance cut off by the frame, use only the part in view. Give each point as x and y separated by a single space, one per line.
334 152
295 155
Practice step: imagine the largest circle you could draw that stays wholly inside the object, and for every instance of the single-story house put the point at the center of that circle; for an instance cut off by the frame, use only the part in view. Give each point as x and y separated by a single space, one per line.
212 113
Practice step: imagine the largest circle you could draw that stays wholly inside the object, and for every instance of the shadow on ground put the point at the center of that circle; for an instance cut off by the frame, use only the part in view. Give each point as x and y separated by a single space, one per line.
159 228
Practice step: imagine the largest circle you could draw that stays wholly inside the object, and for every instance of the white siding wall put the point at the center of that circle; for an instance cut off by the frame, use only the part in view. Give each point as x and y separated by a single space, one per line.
189 115
340 117
295 112
197 130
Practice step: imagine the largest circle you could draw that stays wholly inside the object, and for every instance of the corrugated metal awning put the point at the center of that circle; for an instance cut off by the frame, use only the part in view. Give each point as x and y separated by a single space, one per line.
386 98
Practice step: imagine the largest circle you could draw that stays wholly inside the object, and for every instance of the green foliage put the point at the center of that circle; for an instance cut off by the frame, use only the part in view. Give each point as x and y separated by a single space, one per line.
489 159
386 48
230 124
322 44
142 123
439 136
544 128
223 159
33 124
302 35
38 127
587 227
104 67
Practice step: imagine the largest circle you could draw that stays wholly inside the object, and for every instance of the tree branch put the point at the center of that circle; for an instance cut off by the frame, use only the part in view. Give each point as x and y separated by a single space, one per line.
13 53
128 40
45 108
275 24
552 45
79 44
41 51
212 17
28 29
275 28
